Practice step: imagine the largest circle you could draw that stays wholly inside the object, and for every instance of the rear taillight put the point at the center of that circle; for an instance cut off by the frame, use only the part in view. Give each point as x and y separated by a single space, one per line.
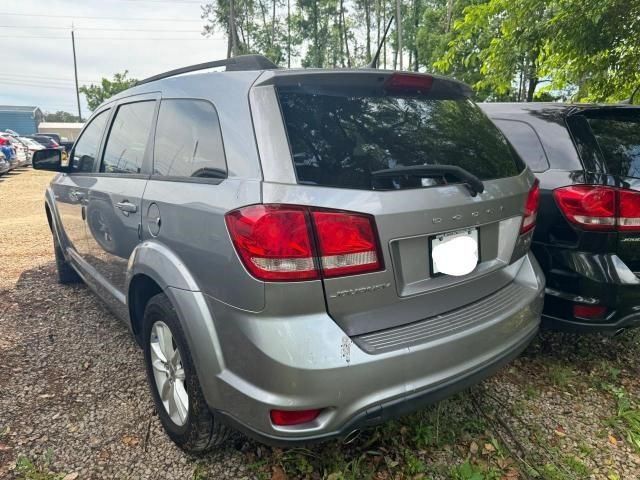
531 208
347 243
595 207
628 210
292 243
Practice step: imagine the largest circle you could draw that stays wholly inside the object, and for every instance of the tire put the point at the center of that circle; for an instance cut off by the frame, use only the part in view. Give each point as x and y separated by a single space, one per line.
197 430
66 273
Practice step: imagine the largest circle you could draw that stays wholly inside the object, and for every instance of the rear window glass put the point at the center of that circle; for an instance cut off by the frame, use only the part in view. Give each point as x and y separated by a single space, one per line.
526 142
618 136
338 140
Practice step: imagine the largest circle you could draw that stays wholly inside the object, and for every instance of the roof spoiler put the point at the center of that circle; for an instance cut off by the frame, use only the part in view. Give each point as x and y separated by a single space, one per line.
233 64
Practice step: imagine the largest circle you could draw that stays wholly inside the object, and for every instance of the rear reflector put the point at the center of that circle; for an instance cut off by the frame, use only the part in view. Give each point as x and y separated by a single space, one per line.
293 417
292 243
595 207
589 312
409 82
531 208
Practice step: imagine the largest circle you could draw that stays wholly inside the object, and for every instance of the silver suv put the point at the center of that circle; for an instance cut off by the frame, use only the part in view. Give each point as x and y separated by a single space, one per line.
300 253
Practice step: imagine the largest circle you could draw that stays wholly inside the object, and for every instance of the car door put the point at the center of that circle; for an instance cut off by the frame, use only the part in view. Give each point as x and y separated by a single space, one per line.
113 211
71 189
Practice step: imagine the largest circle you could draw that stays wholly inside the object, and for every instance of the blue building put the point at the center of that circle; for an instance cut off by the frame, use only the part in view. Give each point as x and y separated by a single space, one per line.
23 120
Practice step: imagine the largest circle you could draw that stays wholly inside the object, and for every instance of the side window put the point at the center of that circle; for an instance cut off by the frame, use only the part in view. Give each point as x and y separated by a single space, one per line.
128 137
524 139
188 142
86 147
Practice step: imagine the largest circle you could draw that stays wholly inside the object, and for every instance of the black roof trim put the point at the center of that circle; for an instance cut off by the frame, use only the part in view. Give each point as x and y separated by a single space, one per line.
233 64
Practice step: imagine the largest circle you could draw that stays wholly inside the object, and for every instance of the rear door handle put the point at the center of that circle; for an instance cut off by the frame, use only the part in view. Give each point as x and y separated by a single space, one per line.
127 207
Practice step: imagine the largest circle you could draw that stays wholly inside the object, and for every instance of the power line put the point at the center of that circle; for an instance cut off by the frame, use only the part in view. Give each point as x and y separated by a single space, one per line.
76 28
88 17
43 77
116 38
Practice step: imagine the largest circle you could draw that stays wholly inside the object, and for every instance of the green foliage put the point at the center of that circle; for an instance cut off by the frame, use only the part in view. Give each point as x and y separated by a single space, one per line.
60 116
96 94
27 469
627 418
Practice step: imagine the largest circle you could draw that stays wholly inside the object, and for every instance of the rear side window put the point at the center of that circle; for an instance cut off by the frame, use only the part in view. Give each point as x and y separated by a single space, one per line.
85 149
188 142
128 138
618 137
338 140
526 142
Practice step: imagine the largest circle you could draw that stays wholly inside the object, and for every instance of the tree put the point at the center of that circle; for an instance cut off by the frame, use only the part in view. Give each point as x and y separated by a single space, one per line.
504 41
96 94
60 116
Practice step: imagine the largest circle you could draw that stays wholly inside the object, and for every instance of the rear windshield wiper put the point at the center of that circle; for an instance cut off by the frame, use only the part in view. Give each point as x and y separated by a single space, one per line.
473 183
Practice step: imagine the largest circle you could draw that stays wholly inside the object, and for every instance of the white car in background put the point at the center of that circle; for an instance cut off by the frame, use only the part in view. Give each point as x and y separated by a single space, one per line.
32 146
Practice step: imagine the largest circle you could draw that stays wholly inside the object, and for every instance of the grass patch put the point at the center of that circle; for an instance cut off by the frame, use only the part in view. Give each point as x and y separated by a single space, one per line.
626 421
560 375
27 469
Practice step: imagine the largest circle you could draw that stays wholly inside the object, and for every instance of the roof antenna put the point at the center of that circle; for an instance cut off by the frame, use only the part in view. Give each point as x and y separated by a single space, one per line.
374 62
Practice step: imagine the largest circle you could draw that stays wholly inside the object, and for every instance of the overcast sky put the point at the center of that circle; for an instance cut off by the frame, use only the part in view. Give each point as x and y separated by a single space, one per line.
143 36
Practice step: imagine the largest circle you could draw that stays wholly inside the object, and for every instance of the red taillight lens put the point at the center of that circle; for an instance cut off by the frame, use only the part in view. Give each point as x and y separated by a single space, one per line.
409 82
531 208
589 312
275 242
347 243
629 210
590 206
293 417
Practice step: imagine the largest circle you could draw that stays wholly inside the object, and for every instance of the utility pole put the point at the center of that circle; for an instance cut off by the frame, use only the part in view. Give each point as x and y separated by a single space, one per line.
399 29
75 70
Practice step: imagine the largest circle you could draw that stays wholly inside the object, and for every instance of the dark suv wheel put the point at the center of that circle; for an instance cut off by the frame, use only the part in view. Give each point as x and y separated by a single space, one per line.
173 380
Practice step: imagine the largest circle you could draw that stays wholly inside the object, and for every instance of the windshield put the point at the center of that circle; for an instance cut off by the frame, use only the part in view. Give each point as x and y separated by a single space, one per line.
340 139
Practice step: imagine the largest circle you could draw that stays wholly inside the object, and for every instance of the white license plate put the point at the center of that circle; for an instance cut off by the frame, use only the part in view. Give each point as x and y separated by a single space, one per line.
455 253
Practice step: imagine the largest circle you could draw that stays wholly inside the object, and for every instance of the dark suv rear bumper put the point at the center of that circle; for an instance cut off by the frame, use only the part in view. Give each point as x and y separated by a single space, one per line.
586 278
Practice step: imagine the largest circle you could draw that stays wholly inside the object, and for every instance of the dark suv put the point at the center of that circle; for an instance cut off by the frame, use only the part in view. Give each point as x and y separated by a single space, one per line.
587 158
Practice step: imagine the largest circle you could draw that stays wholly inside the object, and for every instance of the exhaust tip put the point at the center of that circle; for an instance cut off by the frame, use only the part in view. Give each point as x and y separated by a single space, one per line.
351 437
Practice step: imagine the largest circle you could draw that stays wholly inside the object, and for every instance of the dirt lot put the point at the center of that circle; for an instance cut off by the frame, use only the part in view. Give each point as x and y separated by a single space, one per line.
74 400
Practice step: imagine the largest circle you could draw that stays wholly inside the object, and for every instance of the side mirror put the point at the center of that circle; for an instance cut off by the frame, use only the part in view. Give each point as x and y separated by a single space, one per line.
48 159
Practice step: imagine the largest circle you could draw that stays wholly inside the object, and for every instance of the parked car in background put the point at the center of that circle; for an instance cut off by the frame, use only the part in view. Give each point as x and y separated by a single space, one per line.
4 164
8 151
335 248
55 136
587 158
31 145
45 141
22 153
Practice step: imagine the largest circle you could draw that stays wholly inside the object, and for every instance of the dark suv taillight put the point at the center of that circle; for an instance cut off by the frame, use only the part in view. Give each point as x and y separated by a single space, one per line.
595 207
292 243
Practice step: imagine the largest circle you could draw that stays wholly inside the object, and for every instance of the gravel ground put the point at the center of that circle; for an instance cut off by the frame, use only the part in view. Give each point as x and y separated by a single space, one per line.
74 401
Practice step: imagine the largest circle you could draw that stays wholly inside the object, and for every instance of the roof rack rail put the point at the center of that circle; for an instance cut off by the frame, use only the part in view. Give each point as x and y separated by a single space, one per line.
233 64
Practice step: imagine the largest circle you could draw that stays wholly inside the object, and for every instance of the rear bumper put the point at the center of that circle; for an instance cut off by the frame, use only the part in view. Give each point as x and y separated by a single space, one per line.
396 407
268 360
595 279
